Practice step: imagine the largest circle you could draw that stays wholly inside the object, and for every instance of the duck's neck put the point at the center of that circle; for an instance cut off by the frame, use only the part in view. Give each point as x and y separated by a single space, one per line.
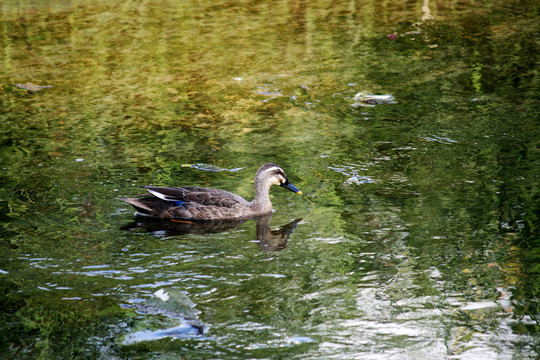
262 203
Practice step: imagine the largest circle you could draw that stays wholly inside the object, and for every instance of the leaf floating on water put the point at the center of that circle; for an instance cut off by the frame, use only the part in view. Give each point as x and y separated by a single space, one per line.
368 99
32 87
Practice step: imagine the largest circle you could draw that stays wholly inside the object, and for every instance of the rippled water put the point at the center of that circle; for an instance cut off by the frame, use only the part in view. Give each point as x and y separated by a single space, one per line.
411 128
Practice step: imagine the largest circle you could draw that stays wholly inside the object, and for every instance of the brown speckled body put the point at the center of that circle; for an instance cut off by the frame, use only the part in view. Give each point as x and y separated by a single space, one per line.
197 203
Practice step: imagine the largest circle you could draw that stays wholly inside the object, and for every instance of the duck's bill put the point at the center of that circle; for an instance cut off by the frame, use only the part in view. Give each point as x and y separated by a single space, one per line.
287 185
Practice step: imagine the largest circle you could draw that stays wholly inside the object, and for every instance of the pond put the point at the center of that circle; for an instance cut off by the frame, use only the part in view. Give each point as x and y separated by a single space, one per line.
411 128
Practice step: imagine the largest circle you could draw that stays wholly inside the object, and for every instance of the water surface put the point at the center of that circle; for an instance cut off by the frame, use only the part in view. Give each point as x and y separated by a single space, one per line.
417 235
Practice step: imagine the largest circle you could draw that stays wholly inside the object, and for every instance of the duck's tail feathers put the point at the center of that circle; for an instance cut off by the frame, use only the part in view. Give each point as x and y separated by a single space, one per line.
138 205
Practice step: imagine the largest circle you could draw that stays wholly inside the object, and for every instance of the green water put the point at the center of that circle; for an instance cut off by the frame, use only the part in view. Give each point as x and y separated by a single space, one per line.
419 236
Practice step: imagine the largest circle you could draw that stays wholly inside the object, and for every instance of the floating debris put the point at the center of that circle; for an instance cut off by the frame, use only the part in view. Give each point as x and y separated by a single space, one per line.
352 175
368 99
32 87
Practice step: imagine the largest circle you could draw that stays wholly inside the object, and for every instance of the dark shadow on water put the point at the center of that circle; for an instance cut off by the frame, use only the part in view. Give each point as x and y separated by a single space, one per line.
269 240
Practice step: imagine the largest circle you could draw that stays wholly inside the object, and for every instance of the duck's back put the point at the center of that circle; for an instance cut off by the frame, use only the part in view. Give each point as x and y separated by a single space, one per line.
207 196
191 202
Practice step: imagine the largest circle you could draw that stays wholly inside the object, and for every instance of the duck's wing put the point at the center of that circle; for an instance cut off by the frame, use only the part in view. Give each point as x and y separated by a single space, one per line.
194 195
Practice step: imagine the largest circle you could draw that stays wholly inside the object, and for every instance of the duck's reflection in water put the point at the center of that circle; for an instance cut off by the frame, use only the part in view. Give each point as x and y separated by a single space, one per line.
269 240
273 240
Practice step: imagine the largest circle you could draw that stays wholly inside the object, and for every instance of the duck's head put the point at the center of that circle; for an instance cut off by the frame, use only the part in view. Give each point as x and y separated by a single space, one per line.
272 174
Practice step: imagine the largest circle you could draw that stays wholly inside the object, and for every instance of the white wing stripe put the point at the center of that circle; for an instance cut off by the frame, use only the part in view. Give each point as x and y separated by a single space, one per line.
159 195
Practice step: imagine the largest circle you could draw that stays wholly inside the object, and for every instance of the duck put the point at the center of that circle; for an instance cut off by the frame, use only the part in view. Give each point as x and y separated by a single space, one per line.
198 203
